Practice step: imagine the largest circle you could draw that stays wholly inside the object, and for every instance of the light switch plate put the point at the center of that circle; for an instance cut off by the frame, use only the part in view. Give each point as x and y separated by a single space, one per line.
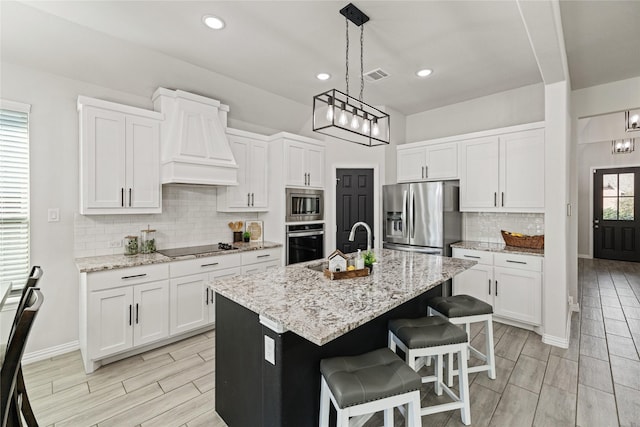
53 214
269 350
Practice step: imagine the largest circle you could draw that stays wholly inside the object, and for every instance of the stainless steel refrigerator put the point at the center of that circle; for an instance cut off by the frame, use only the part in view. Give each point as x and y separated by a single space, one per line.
422 216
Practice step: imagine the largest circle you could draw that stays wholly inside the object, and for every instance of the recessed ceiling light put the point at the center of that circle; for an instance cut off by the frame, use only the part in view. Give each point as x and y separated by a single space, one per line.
323 76
424 72
213 22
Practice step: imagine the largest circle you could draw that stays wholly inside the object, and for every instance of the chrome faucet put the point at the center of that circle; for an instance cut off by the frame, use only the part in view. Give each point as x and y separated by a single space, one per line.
352 235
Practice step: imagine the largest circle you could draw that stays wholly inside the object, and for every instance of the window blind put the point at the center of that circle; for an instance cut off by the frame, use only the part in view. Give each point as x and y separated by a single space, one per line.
14 193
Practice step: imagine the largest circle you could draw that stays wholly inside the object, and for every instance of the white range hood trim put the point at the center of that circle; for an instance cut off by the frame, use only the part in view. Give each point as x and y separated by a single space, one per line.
194 145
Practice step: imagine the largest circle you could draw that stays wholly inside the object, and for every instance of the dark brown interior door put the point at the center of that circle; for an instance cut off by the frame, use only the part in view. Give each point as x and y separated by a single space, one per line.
354 202
616 228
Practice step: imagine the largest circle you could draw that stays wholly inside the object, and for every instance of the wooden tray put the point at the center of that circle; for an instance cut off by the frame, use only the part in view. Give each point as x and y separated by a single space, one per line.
337 275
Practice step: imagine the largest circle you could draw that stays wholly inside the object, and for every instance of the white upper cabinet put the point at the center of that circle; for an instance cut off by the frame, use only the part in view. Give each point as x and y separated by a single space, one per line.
419 162
503 172
251 193
304 164
119 158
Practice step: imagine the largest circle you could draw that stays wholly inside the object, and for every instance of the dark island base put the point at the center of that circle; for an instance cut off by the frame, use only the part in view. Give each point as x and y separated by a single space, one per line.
251 392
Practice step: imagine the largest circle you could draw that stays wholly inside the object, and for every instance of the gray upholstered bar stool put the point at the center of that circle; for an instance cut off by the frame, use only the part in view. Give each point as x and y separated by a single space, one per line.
368 383
434 337
465 310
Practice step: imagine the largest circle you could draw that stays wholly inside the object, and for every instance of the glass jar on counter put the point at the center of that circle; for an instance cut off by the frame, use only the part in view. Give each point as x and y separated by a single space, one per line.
147 241
130 245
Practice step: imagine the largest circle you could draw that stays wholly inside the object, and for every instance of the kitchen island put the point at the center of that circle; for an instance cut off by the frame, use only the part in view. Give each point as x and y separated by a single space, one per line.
273 328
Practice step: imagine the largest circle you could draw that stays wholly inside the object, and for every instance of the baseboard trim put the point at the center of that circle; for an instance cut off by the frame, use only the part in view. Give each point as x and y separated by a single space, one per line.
36 356
562 342
586 256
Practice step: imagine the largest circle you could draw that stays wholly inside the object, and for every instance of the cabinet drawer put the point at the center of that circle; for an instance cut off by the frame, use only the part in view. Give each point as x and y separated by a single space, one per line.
482 257
522 262
204 265
127 276
265 255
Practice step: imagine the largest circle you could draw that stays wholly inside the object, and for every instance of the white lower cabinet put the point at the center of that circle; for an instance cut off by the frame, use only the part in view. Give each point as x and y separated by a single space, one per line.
126 309
122 309
512 284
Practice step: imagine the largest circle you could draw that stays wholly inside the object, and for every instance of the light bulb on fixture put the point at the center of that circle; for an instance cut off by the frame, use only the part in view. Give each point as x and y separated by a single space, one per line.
634 121
365 124
355 123
330 110
627 144
342 120
375 129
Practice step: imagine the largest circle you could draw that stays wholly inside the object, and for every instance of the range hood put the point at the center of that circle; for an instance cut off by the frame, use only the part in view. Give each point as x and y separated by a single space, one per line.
193 143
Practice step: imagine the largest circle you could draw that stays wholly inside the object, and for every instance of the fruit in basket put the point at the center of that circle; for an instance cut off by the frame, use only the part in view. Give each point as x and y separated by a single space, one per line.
516 234
351 268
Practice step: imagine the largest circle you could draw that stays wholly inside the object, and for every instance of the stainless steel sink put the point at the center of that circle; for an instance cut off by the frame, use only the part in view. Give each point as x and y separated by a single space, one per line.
318 267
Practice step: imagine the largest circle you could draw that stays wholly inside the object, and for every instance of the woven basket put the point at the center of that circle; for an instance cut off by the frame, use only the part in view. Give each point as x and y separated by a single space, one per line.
524 241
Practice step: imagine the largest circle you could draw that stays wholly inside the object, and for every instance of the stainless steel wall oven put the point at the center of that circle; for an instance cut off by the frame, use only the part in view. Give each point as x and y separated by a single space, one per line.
305 242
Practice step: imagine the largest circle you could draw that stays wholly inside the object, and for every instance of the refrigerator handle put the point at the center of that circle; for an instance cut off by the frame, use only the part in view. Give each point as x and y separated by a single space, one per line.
413 214
405 211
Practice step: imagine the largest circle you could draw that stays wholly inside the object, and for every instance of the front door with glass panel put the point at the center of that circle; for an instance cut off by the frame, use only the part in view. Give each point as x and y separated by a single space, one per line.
616 228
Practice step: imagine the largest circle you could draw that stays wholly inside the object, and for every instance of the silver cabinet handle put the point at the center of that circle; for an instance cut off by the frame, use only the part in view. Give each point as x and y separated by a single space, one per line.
130 314
496 288
248 199
489 286
263 256
502 199
206 299
137 312
211 296
426 171
516 262
134 276
129 197
495 199
472 256
252 194
422 172
122 197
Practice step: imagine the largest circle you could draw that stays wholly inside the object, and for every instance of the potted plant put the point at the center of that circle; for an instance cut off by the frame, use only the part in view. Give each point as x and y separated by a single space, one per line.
246 236
369 259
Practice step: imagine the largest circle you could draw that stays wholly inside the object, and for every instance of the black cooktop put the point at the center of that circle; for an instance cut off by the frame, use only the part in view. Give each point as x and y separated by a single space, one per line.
196 250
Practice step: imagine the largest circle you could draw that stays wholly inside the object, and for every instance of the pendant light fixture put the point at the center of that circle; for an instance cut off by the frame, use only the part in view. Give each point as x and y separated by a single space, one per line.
342 116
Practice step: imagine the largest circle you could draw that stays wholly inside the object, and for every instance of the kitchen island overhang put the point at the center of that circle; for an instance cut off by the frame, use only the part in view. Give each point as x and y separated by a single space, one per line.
267 373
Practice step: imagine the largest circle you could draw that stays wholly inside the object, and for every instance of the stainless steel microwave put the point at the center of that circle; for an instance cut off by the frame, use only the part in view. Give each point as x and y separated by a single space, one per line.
304 205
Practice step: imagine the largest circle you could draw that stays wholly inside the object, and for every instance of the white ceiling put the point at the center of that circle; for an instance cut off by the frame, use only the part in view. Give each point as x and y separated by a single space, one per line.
475 47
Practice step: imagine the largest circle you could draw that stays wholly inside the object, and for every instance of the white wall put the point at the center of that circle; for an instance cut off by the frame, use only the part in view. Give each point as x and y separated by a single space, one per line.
54 181
591 101
512 107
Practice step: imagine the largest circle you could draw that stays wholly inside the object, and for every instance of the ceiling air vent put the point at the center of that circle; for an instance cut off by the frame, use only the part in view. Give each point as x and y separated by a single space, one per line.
375 75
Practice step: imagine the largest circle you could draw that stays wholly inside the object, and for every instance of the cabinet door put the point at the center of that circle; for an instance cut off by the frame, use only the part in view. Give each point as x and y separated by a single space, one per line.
103 159
315 166
151 312
220 274
518 294
238 196
476 282
142 163
110 317
522 170
479 175
411 164
442 161
294 162
258 176
188 303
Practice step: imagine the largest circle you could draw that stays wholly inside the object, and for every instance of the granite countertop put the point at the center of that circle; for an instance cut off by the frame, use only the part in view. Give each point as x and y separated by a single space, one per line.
112 262
304 301
497 247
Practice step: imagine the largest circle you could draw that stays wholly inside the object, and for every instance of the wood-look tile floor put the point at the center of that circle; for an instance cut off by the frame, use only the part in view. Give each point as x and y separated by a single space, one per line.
595 382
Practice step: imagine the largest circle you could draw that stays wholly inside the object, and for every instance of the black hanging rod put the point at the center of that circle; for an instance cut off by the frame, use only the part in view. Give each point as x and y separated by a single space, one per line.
353 14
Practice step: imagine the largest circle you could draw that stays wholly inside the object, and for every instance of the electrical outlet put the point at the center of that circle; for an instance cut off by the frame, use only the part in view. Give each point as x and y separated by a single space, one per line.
115 244
269 350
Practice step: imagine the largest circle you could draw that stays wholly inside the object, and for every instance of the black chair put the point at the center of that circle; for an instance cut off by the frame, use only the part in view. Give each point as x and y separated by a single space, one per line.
10 400
20 389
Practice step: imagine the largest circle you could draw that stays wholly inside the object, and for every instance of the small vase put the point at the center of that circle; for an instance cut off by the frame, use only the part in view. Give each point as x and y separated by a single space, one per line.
246 239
